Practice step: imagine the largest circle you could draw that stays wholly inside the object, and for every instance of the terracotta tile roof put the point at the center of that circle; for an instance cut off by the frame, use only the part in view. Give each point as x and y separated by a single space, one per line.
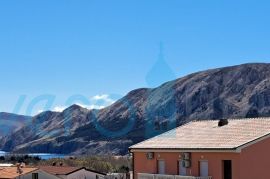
11 172
58 170
207 135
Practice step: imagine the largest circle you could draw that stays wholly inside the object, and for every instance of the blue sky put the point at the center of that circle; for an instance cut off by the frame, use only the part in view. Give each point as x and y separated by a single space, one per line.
91 48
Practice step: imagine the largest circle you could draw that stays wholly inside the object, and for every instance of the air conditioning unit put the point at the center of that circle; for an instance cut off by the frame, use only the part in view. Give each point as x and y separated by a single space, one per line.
183 163
186 163
150 155
186 156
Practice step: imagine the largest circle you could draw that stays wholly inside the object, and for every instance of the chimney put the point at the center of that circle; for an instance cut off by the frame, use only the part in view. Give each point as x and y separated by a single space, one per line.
223 122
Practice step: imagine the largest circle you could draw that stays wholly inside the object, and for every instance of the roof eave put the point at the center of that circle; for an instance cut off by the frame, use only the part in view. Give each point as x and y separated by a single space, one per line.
232 150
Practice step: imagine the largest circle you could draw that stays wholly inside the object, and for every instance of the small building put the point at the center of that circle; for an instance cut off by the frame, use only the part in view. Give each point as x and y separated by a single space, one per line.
66 172
49 172
92 174
13 173
209 149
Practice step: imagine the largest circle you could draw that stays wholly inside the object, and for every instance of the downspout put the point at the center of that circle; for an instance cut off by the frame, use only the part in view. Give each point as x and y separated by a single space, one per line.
133 166
132 153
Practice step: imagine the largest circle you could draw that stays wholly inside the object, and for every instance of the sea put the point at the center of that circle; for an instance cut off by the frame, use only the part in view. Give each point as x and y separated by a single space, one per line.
43 156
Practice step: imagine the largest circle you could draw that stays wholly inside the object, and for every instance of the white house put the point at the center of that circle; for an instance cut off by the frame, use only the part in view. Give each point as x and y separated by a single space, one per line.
49 172
92 174
64 172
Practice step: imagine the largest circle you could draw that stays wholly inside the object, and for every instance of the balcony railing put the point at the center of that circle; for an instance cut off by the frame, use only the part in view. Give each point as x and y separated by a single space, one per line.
159 176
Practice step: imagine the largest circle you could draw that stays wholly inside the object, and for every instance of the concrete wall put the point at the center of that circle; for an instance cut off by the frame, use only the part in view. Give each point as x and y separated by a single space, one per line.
41 175
82 174
143 165
92 175
215 164
77 175
255 161
116 176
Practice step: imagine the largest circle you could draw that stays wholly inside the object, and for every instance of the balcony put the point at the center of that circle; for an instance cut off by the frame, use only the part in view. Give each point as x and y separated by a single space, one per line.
159 176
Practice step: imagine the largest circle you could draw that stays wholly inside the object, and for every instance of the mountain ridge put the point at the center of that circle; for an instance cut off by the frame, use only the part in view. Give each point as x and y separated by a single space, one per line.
10 122
229 92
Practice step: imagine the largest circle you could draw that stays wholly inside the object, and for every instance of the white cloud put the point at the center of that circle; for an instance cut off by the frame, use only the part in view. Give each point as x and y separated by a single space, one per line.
93 106
40 111
59 108
96 102
98 97
104 97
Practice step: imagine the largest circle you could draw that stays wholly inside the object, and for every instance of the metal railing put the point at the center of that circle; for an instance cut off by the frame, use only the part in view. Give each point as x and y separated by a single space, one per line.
159 176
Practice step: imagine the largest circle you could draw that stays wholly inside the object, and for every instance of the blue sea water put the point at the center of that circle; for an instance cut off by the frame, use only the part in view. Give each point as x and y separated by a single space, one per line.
44 156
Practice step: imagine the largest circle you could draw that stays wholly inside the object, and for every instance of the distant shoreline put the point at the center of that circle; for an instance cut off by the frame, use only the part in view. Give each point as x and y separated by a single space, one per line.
43 156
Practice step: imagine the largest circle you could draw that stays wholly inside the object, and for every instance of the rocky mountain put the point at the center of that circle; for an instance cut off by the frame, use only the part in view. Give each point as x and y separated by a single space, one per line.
230 92
11 122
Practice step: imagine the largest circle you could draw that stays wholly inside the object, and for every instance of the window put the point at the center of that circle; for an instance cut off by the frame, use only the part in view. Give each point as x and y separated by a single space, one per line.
34 175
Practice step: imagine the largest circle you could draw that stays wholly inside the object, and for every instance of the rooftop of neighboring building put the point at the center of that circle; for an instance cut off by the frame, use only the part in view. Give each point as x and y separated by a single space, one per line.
209 135
11 172
60 170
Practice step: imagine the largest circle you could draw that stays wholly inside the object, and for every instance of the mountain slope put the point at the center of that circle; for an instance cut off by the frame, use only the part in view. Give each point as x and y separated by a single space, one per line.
11 122
237 91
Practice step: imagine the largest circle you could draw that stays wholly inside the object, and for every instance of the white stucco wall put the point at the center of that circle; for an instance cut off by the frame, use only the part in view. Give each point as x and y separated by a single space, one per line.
116 176
81 174
84 174
77 175
92 175
41 175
